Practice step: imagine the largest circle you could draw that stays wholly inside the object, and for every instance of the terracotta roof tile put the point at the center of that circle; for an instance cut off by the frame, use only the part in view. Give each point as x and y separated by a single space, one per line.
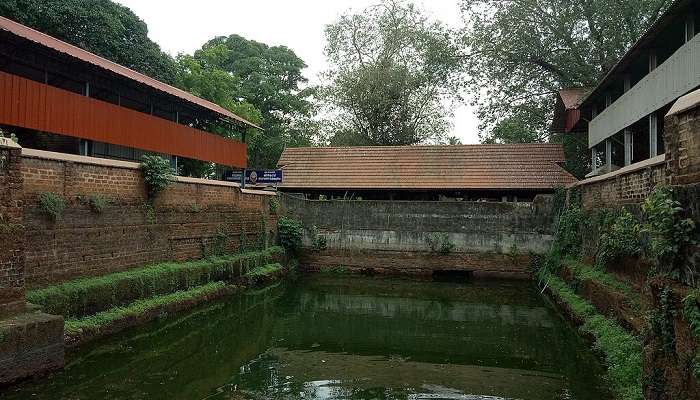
521 166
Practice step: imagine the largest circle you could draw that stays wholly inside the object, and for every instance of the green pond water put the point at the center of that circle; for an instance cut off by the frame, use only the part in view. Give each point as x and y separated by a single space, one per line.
343 337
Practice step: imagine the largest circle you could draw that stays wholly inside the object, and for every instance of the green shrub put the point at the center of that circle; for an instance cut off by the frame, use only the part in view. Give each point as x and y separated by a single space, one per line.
569 238
89 295
149 213
98 203
274 205
157 174
52 205
439 242
620 238
668 232
691 313
318 241
290 231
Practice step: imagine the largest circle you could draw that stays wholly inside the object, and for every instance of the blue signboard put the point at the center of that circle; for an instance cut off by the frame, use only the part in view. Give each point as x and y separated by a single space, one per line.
263 176
255 177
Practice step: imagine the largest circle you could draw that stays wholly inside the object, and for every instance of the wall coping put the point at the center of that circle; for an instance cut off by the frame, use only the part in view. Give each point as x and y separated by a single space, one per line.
106 162
55 156
8 143
685 103
651 162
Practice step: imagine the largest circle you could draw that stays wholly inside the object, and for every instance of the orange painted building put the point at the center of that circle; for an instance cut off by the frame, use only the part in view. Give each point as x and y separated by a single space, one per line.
58 97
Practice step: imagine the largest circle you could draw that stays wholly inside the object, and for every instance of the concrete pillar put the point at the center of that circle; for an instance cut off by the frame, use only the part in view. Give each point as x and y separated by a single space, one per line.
608 154
653 135
629 149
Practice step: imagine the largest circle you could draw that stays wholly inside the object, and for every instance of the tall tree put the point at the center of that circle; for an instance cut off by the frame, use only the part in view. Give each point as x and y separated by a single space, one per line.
268 78
99 26
393 74
521 52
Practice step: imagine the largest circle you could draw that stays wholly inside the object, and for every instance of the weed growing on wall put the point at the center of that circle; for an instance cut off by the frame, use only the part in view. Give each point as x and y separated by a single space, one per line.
622 351
98 203
157 174
274 205
569 238
691 313
619 238
318 241
439 242
52 205
668 232
289 232
149 213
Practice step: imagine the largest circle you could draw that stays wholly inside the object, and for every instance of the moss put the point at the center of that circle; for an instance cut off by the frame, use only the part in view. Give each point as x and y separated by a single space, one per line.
138 308
263 271
622 351
587 272
88 295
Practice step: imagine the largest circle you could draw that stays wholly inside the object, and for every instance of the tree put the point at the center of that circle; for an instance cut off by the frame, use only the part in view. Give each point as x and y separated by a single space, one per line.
234 70
519 53
99 26
393 73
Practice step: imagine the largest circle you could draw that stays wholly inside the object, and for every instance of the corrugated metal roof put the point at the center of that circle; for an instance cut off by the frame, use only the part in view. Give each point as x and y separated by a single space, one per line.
87 57
487 167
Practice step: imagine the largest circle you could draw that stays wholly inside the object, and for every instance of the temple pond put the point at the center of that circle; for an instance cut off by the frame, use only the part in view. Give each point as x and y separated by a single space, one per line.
343 337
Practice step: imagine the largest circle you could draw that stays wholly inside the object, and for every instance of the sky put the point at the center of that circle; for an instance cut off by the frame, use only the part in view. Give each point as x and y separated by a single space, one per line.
183 26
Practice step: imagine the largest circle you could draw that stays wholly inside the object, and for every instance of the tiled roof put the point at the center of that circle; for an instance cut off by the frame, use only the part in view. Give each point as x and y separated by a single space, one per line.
513 166
572 97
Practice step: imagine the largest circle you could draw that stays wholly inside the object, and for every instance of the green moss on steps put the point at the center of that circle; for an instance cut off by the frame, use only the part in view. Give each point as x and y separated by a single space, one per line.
94 323
90 295
622 351
264 271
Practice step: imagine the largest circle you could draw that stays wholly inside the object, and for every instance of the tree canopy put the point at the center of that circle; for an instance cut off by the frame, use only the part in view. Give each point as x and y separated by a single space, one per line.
393 73
519 53
255 79
99 26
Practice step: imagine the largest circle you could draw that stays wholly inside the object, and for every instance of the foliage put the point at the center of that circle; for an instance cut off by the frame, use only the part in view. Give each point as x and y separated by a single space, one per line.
668 232
89 295
520 53
691 313
260 83
318 241
102 27
274 205
290 232
149 213
218 247
52 205
94 323
157 174
584 272
439 242
98 203
569 239
263 271
619 239
622 351
393 73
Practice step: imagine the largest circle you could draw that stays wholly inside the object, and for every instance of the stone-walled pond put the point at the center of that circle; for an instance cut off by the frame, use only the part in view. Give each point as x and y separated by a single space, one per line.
343 337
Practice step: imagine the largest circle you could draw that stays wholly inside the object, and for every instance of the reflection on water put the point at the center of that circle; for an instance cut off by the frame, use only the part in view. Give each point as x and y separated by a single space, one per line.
344 337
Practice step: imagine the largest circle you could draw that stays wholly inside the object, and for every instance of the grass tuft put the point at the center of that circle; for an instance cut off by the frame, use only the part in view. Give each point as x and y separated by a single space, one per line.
263 271
622 351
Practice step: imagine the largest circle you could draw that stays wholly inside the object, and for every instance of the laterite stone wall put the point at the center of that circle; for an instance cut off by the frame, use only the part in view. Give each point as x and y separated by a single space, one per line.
190 219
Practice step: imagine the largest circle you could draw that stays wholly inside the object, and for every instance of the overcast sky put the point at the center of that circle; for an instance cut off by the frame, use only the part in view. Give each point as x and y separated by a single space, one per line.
182 26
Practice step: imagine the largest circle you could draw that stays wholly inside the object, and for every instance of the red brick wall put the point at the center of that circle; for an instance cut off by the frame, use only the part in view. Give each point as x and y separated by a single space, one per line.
623 187
11 231
192 218
682 139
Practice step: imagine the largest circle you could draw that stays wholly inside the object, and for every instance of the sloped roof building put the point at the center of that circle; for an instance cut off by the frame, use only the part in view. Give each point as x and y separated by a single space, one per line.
467 172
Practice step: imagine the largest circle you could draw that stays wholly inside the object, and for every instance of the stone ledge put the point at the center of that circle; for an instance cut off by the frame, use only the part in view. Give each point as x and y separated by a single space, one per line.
30 344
